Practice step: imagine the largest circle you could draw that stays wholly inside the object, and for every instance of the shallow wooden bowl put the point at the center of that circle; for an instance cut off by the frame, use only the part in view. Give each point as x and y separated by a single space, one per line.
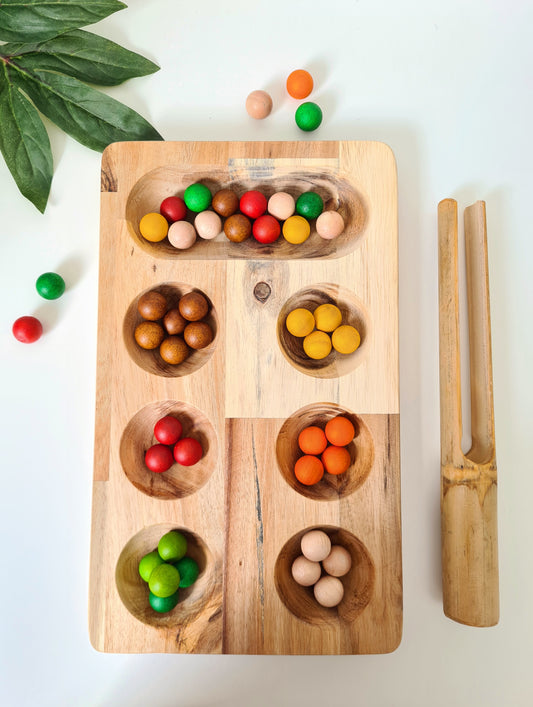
337 190
178 481
150 360
134 591
358 582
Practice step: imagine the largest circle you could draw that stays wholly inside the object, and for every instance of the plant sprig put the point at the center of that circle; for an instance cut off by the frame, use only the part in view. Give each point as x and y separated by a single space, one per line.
46 64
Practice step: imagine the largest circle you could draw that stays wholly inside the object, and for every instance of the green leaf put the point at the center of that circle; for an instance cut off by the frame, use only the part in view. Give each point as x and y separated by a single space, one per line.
24 143
84 56
91 117
34 20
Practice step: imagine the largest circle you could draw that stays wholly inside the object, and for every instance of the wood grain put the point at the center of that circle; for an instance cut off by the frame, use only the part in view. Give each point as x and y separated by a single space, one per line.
240 511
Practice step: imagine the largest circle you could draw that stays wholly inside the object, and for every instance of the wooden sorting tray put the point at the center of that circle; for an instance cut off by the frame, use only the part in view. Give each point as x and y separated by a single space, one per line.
246 397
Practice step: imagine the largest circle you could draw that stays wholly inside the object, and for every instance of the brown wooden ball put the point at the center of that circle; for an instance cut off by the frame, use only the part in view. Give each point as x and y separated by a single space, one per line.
152 306
174 322
198 335
174 350
193 306
225 202
237 228
149 335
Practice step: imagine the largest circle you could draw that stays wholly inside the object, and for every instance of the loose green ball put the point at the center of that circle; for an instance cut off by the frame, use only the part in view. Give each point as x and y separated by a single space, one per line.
164 581
148 564
188 570
163 604
308 116
197 197
50 285
172 546
309 205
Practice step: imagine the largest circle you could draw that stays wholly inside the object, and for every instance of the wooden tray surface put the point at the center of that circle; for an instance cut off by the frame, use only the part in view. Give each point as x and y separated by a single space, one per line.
246 397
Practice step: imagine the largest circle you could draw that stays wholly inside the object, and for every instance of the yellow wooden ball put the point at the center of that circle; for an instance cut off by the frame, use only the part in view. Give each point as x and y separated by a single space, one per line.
153 227
296 229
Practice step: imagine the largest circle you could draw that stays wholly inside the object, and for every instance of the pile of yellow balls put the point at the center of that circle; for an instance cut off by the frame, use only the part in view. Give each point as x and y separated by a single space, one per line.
322 330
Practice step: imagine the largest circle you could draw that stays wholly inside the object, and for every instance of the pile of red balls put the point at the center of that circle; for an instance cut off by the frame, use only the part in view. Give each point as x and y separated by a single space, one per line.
172 447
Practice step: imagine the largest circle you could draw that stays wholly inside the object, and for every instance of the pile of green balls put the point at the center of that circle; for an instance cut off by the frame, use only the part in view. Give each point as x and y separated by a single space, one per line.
167 570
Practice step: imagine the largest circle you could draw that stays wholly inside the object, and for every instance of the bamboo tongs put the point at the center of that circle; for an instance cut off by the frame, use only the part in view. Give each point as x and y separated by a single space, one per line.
468 481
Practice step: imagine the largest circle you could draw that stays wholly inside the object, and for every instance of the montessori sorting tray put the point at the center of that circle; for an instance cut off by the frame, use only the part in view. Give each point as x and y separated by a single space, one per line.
245 398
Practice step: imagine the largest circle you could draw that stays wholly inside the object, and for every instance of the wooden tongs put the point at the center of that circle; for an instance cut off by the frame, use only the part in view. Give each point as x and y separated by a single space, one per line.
468 481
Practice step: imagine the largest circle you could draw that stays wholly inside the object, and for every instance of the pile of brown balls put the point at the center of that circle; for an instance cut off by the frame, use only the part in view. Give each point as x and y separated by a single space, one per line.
173 330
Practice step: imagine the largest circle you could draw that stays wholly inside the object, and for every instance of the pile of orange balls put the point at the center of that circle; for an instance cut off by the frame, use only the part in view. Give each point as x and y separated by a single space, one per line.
173 330
324 450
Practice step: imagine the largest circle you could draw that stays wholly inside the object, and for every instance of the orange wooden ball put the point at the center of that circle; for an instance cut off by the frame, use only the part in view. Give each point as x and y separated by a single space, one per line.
299 84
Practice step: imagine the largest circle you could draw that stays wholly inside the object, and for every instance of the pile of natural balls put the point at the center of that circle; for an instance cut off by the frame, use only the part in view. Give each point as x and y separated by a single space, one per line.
251 215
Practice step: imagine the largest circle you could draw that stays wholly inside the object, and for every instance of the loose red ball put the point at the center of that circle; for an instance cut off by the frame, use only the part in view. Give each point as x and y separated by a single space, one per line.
266 229
158 458
253 203
167 430
27 329
173 209
188 451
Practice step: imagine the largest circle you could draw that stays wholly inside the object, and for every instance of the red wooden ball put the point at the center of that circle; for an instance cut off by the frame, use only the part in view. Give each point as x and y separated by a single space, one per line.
253 203
173 209
168 430
158 458
266 229
27 329
188 451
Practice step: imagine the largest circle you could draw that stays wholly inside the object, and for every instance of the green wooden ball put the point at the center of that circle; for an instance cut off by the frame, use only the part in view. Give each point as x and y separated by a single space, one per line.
197 197
189 570
50 285
163 604
308 116
309 205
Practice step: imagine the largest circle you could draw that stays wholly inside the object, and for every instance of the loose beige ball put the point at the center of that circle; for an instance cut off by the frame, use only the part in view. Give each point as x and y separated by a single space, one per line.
305 572
208 224
316 545
281 205
329 591
338 562
182 235
259 105
329 225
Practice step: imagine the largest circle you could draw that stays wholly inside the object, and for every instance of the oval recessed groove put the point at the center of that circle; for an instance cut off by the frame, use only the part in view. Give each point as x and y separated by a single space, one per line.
336 189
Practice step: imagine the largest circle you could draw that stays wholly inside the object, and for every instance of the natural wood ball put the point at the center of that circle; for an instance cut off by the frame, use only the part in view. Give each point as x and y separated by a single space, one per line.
193 306
152 306
198 335
259 105
174 350
174 323
149 335
237 228
225 202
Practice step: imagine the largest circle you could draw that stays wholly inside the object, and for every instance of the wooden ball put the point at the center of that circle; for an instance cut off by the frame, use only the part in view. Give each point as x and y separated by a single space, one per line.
225 202
237 228
152 305
149 335
259 105
173 350
174 323
329 225
316 545
338 562
305 572
208 224
193 306
329 591
198 335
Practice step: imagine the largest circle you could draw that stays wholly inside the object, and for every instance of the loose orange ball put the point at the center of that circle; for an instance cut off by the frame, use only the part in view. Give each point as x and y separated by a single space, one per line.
299 84
336 460
308 470
340 431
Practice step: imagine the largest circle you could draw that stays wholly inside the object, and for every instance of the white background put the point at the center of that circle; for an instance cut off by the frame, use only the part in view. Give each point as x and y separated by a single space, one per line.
448 85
